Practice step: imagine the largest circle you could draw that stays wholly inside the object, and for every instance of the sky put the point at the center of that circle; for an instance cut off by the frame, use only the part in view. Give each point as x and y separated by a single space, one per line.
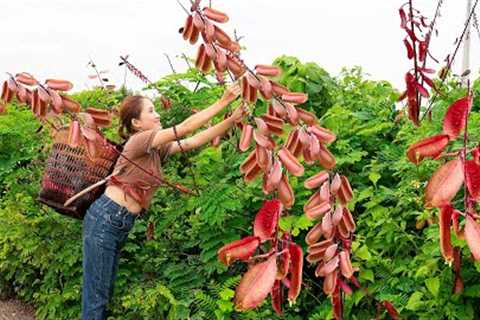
57 38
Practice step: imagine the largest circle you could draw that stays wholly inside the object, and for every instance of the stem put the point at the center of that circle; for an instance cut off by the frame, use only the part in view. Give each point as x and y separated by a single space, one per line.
94 66
449 65
415 62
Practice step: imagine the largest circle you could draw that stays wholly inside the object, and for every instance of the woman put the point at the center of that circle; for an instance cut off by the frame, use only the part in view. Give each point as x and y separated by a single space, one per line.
129 192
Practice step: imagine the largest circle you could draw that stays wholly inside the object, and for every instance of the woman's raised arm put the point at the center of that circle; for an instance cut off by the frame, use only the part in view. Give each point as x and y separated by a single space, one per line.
197 120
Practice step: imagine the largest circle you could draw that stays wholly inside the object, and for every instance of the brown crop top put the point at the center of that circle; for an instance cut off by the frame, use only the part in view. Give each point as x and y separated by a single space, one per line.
133 181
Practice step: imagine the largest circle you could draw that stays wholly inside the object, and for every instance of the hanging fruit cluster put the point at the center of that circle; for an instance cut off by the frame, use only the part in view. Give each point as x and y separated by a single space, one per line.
280 268
47 101
447 180
417 46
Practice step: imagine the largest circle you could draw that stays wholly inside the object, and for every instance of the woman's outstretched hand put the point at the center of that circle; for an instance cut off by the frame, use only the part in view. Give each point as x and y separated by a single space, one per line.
239 113
232 92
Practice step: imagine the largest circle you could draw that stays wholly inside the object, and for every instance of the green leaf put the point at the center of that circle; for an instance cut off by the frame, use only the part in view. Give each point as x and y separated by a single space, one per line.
433 285
374 177
363 253
366 274
415 301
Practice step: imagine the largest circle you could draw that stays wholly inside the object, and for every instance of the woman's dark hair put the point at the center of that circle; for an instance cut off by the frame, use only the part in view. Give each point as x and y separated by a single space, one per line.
130 108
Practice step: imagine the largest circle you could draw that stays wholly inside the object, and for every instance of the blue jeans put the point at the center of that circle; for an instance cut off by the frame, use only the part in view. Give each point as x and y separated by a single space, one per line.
105 229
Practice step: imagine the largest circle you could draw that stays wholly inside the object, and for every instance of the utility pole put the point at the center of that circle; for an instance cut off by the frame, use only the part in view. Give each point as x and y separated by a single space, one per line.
466 46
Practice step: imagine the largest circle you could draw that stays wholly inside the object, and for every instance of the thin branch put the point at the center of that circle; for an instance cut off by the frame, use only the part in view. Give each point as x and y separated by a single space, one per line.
449 65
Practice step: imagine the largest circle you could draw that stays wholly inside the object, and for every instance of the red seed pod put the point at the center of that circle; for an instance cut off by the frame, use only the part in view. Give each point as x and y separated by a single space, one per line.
220 61
318 211
263 156
285 192
327 267
307 117
348 220
274 177
5 93
292 141
336 184
201 55
253 173
290 162
12 85
296 258
26 79
314 234
57 102
261 126
263 140
221 37
313 201
267 70
327 225
337 215
330 252
249 162
241 249
215 15
252 80
330 282
194 35
274 124
345 264
74 134
198 22
101 117
235 67
22 93
325 192
326 158
60 85
345 287
246 137
187 28
279 108
265 88
345 193
472 235
70 105
316 180
277 297
292 113
320 246
283 265
323 135
445 217
295 97
279 89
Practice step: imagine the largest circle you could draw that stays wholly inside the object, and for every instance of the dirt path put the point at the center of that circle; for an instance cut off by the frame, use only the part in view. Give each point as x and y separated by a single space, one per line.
15 310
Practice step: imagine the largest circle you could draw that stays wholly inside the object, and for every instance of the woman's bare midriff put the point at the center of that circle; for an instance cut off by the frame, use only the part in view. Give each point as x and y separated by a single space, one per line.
117 195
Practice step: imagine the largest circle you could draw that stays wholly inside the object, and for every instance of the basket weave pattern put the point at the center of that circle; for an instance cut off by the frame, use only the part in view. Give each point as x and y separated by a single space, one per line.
69 170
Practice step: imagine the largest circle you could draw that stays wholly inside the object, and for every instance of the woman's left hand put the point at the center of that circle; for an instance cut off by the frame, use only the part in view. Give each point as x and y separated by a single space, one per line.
238 113
231 92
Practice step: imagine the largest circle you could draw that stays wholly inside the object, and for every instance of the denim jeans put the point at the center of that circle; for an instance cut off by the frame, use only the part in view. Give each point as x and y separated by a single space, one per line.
105 229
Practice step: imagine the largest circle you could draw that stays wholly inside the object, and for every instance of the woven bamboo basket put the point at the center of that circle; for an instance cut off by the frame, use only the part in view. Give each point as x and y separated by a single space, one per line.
69 170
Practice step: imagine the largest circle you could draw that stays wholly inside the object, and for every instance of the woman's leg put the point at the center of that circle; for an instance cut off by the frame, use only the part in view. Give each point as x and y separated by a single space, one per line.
102 243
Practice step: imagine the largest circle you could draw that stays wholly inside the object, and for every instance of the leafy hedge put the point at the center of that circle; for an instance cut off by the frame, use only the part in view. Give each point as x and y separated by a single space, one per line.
177 276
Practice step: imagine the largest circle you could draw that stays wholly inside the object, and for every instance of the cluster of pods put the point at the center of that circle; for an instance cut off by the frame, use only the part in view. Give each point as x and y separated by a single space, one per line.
447 180
47 101
417 45
281 267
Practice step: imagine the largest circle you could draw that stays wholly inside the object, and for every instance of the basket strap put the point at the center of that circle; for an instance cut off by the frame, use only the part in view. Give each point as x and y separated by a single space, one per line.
89 188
